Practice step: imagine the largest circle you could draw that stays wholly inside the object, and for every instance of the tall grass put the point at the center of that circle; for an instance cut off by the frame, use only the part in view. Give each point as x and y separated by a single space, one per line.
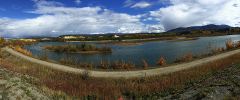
22 50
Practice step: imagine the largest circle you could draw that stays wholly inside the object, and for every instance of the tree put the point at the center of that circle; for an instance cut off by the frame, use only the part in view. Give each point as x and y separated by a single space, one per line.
2 40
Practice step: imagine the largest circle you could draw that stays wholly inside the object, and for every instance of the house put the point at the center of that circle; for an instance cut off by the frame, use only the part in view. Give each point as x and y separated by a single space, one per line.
73 37
28 40
116 36
45 39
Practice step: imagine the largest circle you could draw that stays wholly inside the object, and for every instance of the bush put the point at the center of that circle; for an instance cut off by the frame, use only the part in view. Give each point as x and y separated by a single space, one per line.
229 44
145 64
2 41
161 61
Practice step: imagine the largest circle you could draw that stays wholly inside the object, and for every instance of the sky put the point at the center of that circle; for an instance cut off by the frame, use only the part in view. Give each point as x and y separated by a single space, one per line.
25 18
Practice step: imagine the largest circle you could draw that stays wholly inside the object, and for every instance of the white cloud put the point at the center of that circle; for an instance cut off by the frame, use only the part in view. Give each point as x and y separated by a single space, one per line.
135 4
129 3
141 4
78 2
183 13
56 19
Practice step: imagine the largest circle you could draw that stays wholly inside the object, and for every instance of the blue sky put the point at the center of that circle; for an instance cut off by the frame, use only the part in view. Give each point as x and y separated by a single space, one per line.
20 18
17 8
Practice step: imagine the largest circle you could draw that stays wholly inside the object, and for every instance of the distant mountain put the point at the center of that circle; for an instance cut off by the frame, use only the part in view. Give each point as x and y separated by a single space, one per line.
206 27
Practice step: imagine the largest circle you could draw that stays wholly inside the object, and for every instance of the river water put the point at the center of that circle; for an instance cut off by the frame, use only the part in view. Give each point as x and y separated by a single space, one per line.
150 51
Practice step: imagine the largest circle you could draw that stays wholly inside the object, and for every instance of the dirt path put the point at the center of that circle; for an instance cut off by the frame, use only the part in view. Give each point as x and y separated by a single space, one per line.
126 74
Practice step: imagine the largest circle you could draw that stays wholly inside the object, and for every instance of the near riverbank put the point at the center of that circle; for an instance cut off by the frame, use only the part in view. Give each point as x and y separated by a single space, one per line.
85 86
126 74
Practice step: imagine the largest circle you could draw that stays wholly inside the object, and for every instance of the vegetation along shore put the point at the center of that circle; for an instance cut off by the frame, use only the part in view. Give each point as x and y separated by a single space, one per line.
78 48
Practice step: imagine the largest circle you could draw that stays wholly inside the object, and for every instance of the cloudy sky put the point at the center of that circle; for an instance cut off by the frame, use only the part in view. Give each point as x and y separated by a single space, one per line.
20 18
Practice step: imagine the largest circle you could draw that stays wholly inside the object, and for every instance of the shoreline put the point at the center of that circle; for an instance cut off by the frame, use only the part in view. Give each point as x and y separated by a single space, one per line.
152 39
141 40
84 52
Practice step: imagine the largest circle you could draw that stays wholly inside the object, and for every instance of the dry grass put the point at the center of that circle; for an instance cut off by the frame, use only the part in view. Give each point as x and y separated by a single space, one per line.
22 50
82 85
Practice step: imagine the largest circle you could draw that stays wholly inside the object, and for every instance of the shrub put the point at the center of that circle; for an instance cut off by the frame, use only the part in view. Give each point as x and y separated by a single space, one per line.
2 41
229 44
161 61
145 64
